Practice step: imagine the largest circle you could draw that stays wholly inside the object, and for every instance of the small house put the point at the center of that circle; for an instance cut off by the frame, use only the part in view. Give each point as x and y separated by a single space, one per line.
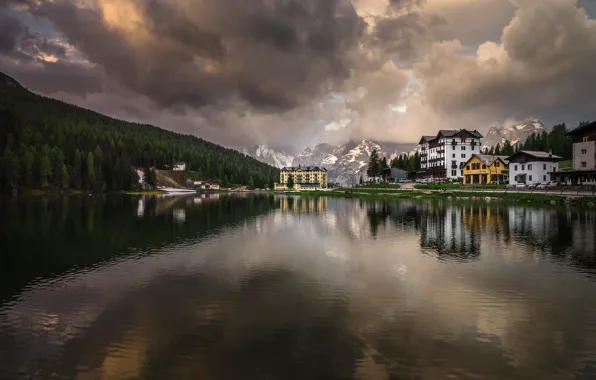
179 166
532 167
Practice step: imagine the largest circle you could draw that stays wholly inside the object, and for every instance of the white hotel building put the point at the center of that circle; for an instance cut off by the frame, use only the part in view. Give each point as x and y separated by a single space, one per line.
444 155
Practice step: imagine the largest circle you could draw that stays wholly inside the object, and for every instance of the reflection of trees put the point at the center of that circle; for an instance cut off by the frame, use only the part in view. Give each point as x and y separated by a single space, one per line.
378 213
565 234
43 237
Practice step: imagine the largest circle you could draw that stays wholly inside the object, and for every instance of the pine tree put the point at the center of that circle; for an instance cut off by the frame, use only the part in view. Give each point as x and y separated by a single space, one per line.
28 162
64 177
373 165
290 184
77 171
45 170
251 182
361 181
90 171
98 161
10 169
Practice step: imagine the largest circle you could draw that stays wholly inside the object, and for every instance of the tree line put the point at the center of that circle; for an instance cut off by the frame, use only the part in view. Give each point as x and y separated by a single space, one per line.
49 144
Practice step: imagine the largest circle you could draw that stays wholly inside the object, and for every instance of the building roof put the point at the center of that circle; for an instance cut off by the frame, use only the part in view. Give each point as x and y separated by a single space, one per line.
427 139
180 163
582 129
449 133
305 168
453 132
536 154
488 159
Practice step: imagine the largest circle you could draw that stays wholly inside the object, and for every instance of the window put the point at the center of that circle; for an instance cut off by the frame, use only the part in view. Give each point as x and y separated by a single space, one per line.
523 167
463 155
463 147
584 164
586 139
544 168
468 167
530 178
530 167
544 177
584 151
515 167
497 164
454 173
483 166
453 155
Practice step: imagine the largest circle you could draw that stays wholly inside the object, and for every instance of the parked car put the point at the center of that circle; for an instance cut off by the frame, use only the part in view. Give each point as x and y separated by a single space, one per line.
541 186
510 186
552 185
520 186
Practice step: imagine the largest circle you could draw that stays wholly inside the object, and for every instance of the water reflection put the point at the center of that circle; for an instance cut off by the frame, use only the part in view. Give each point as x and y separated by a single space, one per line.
314 288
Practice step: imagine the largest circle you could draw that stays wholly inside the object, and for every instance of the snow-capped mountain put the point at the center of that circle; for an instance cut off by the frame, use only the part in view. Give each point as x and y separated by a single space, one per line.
345 162
270 156
514 133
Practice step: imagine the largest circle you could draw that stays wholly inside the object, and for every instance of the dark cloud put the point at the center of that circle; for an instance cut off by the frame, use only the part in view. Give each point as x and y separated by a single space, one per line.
543 67
274 55
10 30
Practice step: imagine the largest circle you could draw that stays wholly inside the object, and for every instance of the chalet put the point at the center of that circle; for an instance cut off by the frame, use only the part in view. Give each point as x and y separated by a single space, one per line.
532 167
483 169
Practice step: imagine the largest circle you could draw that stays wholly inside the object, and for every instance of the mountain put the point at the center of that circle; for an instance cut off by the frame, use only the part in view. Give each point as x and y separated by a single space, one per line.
345 162
277 159
514 133
49 144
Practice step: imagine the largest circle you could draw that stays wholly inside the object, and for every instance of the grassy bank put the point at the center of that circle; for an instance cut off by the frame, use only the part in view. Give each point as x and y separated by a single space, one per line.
460 195
456 186
380 186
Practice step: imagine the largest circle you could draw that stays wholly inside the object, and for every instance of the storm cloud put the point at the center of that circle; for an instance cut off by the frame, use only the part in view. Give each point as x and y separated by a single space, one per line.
269 71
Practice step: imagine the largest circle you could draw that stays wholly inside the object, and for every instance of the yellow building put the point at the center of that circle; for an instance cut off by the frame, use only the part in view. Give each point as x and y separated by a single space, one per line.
484 169
304 178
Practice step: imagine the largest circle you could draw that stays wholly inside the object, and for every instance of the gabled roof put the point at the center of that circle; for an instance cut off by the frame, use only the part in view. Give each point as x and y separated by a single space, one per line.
450 133
536 154
454 132
426 139
488 159
583 129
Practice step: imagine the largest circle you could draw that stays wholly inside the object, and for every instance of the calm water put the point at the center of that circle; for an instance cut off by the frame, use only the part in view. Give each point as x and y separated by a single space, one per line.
265 287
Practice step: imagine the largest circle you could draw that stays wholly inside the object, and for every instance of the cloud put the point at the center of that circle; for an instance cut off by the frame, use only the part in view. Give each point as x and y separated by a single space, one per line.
543 65
277 72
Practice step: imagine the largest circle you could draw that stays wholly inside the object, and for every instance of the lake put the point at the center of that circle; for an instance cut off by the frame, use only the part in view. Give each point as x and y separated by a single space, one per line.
282 287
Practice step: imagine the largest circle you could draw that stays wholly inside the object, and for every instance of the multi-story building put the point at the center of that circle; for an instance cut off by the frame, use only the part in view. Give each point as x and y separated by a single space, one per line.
584 157
444 155
485 168
532 167
304 178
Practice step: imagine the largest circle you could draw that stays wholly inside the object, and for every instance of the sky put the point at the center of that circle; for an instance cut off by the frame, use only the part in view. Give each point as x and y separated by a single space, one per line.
292 73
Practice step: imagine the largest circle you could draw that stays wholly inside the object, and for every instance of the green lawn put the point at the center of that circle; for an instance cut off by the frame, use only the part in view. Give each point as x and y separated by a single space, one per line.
567 164
456 186
380 186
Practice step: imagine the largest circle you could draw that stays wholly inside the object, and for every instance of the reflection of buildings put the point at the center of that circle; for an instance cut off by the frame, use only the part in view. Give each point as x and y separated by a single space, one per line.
445 232
303 204
179 215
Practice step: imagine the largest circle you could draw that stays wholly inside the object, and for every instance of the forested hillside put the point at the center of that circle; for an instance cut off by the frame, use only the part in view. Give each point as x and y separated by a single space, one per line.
49 144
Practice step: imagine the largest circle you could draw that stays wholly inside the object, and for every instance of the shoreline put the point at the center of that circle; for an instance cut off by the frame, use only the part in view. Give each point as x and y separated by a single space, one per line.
486 196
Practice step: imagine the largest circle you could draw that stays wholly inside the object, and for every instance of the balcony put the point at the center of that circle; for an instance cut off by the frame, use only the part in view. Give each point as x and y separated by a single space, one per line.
453 142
